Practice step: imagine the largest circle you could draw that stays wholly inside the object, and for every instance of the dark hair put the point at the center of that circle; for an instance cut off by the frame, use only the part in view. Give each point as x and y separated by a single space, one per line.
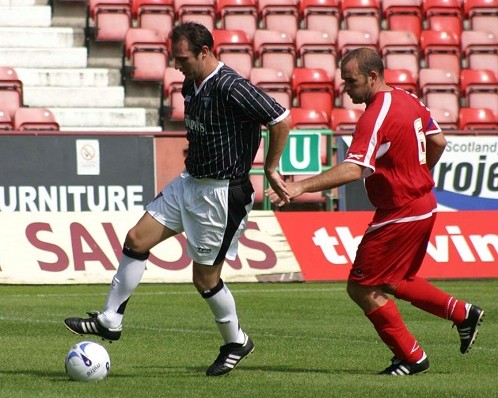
368 60
196 34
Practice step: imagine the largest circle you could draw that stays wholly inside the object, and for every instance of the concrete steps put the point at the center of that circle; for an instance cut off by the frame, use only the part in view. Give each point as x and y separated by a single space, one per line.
25 15
58 72
69 77
41 37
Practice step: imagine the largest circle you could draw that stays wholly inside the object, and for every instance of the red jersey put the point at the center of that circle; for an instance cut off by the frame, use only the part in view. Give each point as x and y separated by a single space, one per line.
389 141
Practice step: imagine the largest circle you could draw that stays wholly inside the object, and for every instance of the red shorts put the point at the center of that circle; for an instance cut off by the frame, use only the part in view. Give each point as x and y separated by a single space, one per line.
391 253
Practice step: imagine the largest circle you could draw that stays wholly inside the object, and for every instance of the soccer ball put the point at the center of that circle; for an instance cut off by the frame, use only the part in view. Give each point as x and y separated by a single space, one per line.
87 361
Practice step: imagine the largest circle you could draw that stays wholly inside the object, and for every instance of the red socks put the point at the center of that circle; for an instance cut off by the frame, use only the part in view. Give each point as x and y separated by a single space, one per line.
393 332
429 298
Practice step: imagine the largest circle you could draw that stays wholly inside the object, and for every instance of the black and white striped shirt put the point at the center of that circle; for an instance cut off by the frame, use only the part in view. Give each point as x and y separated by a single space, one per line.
223 117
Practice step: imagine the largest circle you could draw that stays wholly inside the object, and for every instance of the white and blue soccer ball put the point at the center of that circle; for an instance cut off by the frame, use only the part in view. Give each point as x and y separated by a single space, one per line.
87 361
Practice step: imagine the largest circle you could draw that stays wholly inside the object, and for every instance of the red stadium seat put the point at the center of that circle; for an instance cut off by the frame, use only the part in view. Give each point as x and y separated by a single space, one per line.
35 119
441 50
362 15
313 89
477 119
234 48
348 40
111 20
146 54
445 119
403 15
344 120
401 78
280 15
400 50
201 11
154 14
238 14
316 49
305 118
321 15
275 83
172 103
481 15
480 50
440 89
11 91
480 89
5 121
274 49
443 15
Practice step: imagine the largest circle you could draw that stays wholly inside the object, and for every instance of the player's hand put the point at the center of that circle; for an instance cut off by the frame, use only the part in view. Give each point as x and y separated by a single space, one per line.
278 187
293 190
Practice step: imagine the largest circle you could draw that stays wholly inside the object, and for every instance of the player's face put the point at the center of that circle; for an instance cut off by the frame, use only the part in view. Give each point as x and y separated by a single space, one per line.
186 62
356 85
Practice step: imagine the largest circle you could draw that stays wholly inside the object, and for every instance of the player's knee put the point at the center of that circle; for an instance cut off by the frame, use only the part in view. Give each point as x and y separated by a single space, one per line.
133 248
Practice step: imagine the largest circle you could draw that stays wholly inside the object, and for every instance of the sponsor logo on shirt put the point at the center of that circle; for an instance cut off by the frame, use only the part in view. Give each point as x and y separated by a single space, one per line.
354 156
206 101
194 125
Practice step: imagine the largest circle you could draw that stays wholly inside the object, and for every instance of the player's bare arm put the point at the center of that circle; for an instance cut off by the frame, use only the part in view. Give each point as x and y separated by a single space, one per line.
277 140
435 148
336 176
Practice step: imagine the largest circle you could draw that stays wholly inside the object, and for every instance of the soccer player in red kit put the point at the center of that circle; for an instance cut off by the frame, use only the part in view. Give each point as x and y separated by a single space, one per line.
395 145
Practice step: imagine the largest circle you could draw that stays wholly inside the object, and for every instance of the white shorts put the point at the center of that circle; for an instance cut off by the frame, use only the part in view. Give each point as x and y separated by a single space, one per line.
212 213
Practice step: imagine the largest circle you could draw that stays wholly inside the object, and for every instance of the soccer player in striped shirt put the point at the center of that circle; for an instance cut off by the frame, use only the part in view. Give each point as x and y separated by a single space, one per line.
210 201
395 145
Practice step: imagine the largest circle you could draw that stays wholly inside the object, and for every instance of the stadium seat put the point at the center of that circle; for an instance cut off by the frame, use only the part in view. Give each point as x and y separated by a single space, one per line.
401 78
481 15
362 15
480 89
275 83
400 50
279 15
234 48
145 55
238 14
480 50
305 118
321 15
313 89
477 119
443 15
445 119
172 105
274 49
315 49
154 14
344 120
35 119
11 91
201 11
404 15
441 50
440 89
109 20
5 121
348 40
343 100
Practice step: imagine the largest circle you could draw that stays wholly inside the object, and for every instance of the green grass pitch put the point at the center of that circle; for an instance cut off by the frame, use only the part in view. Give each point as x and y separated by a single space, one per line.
311 341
